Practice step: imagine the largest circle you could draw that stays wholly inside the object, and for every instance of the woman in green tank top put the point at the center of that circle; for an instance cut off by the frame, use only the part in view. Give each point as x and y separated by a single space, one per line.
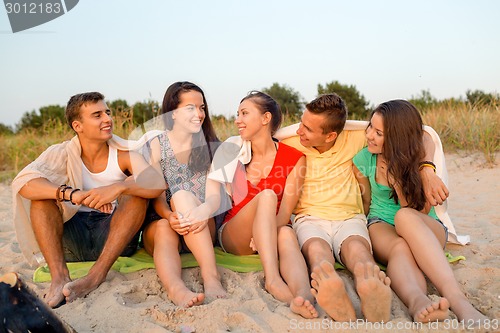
409 238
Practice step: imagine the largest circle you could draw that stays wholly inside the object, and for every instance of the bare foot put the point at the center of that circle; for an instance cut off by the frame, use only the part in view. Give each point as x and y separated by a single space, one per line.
329 290
55 296
278 288
81 287
214 289
465 311
303 307
432 311
185 298
373 289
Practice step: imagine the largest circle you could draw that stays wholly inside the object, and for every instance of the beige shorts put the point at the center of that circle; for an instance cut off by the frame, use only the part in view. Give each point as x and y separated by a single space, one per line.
332 232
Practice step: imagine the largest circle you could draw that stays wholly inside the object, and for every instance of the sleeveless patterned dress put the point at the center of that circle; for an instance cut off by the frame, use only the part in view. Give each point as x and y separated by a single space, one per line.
178 175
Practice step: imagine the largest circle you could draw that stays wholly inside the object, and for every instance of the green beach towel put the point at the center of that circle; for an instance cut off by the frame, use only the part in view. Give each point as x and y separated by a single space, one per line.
142 260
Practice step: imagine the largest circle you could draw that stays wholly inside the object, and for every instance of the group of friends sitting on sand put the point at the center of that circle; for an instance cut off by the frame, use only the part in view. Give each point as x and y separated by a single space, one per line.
303 197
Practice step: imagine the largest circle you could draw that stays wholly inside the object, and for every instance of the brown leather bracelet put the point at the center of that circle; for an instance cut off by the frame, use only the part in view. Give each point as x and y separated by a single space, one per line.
58 192
71 195
64 191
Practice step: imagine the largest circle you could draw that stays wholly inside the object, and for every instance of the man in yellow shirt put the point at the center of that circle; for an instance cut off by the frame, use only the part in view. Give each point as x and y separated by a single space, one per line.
330 223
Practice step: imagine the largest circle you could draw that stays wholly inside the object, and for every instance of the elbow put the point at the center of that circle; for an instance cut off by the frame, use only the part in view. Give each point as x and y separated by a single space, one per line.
24 193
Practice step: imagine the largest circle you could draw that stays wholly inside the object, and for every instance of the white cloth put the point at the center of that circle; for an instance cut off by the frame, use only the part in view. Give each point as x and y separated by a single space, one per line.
60 164
239 150
442 210
226 159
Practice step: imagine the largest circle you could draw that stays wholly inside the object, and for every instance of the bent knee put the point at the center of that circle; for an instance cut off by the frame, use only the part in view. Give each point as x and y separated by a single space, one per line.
183 197
267 196
355 244
317 246
406 220
267 193
41 204
162 223
44 209
132 201
404 214
286 234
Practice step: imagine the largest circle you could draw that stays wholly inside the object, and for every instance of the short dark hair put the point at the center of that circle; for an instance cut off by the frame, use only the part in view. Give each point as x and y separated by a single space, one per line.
334 109
75 103
266 103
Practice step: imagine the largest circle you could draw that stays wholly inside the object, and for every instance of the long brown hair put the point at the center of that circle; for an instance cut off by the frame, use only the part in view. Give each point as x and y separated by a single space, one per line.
403 149
205 141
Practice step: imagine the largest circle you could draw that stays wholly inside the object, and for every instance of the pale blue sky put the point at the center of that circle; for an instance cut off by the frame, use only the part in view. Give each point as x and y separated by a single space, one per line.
135 49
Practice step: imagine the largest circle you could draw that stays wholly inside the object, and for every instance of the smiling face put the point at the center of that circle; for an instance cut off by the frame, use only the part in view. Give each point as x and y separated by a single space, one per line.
375 134
94 121
190 112
311 133
250 120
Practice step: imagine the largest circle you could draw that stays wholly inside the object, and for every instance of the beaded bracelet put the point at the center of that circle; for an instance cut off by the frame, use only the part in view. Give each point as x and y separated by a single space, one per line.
71 195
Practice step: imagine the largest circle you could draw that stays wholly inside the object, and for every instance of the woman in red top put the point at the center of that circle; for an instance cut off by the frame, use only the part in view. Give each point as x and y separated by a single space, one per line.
264 193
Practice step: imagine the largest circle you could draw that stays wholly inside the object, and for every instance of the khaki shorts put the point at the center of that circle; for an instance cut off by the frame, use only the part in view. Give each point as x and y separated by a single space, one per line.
332 232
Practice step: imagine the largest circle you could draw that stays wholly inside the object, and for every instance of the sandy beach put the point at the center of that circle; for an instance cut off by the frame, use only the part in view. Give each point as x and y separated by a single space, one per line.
136 302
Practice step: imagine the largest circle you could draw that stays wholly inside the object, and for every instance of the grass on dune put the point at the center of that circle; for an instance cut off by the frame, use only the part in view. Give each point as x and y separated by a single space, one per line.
462 127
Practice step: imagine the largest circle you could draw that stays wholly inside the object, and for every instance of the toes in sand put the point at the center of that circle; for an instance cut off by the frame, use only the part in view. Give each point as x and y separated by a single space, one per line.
214 290
374 291
303 307
79 288
330 293
186 298
55 297
432 311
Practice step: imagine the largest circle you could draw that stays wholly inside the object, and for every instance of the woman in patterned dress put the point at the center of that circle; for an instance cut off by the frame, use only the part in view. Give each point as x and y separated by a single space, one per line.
183 154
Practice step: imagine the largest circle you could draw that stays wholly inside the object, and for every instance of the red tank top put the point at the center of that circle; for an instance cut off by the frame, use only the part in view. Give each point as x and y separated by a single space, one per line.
285 161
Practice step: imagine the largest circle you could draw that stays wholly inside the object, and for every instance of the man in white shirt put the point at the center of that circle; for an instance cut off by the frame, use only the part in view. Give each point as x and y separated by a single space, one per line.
98 211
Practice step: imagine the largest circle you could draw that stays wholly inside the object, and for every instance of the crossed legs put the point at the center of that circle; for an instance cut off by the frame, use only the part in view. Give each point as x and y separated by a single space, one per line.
163 243
407 280
422 237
